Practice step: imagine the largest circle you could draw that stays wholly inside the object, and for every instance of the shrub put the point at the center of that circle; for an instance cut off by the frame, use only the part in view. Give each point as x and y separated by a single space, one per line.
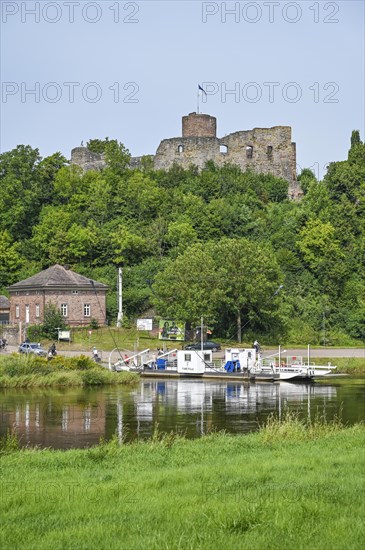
34 333
94 324
94 377
26 365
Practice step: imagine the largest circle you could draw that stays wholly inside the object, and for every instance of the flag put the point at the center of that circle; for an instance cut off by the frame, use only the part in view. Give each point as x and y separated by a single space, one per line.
200 88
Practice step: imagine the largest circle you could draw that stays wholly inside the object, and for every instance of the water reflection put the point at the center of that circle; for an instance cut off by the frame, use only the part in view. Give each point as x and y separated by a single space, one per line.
78 417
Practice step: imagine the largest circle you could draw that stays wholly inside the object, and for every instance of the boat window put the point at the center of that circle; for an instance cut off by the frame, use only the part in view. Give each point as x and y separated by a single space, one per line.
206 357
187 357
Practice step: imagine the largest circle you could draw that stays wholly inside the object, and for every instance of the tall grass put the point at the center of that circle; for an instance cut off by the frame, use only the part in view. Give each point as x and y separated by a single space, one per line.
293 428
9 443
345 365
18 371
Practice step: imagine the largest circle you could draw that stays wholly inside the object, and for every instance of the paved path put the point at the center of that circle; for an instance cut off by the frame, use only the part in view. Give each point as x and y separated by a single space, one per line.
314 352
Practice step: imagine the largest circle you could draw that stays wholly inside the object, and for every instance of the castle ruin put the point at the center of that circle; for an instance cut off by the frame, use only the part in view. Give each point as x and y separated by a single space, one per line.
262 150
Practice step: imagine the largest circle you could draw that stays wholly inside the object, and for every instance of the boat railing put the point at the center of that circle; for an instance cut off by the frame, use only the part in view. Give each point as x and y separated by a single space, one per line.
287 364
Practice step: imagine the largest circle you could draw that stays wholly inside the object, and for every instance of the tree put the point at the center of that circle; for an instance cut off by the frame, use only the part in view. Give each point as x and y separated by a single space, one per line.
53 320
180 235
117 156
97 145
10 260
189 287
322 253
129 247
250 277
306 178
234 276
20 202
357 151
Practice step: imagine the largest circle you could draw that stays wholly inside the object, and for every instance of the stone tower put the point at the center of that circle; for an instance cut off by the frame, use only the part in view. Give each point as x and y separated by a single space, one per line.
198 125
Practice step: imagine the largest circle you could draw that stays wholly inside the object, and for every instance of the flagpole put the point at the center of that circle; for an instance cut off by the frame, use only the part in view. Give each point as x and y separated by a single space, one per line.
198 101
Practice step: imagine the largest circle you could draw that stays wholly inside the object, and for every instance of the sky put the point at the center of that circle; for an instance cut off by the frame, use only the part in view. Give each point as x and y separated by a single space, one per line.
78 70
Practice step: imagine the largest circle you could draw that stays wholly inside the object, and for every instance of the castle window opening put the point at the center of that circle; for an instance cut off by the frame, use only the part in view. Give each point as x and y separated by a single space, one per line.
269 151
223 149
180 148
249 151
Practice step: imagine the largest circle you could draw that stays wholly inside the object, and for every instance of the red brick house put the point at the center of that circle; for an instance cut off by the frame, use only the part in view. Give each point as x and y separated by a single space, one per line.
78 298
4 309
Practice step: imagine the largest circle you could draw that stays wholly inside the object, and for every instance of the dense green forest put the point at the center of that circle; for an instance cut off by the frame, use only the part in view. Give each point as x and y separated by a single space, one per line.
221 243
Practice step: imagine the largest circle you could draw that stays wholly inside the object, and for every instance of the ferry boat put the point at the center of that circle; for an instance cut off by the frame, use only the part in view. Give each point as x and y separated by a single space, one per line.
238 364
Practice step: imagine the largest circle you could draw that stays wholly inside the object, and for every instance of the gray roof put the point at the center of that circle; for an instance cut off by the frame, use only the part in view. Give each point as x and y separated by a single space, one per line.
57 277
4 302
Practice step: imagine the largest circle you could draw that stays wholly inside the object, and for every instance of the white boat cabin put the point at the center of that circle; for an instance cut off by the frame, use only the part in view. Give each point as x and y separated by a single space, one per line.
193 362
240 359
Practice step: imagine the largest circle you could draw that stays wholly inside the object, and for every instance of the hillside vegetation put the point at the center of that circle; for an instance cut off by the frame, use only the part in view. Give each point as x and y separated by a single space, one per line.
219 243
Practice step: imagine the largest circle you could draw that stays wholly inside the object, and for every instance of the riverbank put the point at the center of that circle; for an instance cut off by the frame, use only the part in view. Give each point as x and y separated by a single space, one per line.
287 486
25 371
352 365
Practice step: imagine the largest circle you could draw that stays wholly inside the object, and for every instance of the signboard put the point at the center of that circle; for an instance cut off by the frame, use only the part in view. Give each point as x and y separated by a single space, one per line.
171 330
64 335
144 324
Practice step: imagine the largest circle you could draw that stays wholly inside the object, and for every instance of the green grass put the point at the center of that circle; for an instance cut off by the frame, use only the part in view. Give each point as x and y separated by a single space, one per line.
288 486
345 365
109 338
24 371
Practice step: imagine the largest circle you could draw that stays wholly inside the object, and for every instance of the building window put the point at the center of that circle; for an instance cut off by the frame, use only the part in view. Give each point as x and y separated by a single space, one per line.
269 151
64 309
75 292
223 149
87 310
17 293
17 312
249 151
180 148
37 310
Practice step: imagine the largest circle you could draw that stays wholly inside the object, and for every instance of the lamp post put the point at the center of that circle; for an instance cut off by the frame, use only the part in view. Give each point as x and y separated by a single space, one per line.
120 297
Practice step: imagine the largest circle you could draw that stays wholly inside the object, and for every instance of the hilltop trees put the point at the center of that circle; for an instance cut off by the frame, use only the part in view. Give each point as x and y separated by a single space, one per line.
216 243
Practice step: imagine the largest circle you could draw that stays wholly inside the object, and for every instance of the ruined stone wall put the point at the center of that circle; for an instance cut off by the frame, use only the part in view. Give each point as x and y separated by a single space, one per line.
81 156
265 150
186 151
262 150
86 159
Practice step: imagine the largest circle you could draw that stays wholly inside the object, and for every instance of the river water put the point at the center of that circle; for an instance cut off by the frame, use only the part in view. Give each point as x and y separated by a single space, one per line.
77 417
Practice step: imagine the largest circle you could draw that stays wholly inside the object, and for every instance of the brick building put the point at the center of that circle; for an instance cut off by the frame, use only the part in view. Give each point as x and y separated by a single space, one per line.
78 298
4 309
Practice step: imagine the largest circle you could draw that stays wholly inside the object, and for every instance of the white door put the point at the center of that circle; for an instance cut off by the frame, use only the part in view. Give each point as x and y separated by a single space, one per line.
27 314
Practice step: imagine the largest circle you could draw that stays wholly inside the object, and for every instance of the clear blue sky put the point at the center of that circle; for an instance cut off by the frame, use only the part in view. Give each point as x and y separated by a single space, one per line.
312 50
